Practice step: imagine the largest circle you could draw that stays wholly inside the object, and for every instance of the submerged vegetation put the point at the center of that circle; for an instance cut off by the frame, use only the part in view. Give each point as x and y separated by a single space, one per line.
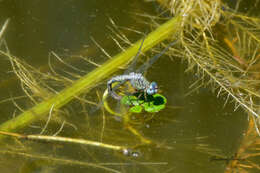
153 103
220 45
222 48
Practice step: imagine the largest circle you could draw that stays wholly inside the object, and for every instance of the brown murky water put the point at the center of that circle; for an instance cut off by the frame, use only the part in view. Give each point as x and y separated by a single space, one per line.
190 130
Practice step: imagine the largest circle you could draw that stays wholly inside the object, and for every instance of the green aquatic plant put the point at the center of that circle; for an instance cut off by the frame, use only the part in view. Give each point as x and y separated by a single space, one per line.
221 46
207 28
150 103
88 81
56 99
3 29
203 27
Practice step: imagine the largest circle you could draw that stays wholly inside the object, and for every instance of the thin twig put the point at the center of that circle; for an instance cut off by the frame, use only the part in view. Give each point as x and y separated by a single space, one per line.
4 28
48 120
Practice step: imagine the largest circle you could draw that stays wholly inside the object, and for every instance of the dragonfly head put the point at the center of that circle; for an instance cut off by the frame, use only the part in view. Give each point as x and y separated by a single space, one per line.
153 88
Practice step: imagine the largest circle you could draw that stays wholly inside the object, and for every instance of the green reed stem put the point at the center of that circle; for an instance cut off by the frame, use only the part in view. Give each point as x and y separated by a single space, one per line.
91 79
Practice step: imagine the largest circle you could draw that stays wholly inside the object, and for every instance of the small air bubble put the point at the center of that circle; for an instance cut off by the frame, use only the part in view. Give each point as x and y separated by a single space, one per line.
129 152
135 154
126 152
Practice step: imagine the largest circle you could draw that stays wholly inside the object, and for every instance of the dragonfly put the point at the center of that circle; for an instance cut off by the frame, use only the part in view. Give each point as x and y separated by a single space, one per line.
136 79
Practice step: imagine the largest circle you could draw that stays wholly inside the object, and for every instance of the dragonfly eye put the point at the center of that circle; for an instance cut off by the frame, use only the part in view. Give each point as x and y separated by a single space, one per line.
153 88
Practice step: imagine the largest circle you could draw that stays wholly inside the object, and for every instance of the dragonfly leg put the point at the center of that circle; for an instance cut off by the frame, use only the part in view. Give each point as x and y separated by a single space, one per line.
142 93
138 95
115 96
146 98
130 100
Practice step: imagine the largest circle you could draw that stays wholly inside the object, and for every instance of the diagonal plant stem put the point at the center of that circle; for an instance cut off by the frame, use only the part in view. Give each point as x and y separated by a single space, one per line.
91 79
66 140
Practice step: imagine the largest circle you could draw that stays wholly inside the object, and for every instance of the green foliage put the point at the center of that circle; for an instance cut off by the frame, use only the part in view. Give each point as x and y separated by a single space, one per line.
84 84
149 103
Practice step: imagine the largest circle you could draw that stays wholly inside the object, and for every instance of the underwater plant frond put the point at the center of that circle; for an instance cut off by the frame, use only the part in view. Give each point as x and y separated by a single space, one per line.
197 14
102 49
117 32
3 29
56 160
87 59
224 79
65 63
223 51
26 74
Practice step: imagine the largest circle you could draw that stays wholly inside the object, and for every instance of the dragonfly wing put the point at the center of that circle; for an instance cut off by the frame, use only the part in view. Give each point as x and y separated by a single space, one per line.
145 66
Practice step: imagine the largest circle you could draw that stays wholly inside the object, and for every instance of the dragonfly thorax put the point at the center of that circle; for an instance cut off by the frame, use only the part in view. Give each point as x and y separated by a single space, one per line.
139 82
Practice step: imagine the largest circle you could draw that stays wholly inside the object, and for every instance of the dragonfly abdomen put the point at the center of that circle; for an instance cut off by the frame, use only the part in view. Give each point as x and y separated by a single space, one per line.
137 81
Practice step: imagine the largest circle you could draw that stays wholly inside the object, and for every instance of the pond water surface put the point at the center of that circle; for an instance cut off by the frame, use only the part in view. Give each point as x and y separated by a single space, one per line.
188 132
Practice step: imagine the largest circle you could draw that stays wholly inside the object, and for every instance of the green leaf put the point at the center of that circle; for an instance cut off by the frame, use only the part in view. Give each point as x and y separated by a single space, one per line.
130 100
138 102
136 109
